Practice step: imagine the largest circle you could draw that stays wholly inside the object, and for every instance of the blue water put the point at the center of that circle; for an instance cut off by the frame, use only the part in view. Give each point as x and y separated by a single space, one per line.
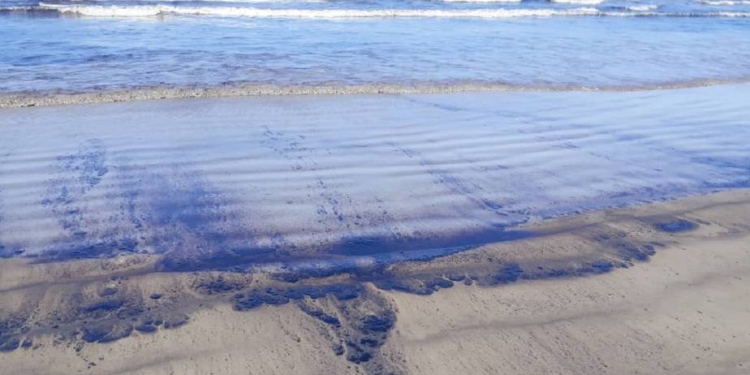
325 173
79 46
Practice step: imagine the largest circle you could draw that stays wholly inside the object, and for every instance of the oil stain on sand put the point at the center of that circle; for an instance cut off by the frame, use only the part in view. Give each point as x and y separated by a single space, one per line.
80 307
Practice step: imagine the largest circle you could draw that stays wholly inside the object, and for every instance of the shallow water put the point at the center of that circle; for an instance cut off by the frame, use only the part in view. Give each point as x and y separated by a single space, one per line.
77 46
354 177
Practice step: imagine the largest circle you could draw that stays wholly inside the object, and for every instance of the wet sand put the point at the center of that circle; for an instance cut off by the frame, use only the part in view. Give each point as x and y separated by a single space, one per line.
35 99
403 234
656 289
340 180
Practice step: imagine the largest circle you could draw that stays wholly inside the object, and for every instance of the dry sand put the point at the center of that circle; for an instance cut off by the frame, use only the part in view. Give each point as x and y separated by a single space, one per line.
683 311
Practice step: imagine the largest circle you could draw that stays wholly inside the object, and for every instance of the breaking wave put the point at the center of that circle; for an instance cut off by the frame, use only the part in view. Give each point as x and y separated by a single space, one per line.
725 2
578 2
642 8
484 1
164 10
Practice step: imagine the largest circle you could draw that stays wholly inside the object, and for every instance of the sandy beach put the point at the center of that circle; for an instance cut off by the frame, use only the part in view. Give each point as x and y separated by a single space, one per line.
482 233
379 187
679 311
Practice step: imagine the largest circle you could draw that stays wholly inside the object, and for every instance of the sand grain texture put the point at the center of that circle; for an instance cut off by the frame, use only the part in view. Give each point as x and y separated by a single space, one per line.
682 312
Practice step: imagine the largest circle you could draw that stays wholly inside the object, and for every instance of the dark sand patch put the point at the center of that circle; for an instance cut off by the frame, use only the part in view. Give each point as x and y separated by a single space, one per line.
351 304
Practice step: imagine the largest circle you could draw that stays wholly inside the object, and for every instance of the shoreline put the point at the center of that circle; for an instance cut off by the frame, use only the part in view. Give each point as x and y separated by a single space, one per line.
121 188
90 181
55 98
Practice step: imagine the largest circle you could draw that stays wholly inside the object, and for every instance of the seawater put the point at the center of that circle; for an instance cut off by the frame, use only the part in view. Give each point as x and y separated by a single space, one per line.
92 46
342 178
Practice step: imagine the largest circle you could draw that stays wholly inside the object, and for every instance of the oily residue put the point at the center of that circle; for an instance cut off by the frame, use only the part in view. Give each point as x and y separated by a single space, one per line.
195 232
350 304
676 226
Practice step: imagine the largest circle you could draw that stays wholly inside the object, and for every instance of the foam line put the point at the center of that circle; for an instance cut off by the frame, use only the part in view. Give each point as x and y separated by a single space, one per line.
31 99
162 10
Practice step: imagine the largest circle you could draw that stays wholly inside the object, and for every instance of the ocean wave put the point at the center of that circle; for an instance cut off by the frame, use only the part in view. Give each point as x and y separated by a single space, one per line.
214 2
578 2
642 8
156 10
484 1
725 2
19 8
163 10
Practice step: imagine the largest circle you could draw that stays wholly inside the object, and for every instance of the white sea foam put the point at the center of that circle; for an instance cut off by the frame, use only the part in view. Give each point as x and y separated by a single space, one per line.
725 2
578 2
109 11
161 10
18 8
642 8
484 1
144 11
219 2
